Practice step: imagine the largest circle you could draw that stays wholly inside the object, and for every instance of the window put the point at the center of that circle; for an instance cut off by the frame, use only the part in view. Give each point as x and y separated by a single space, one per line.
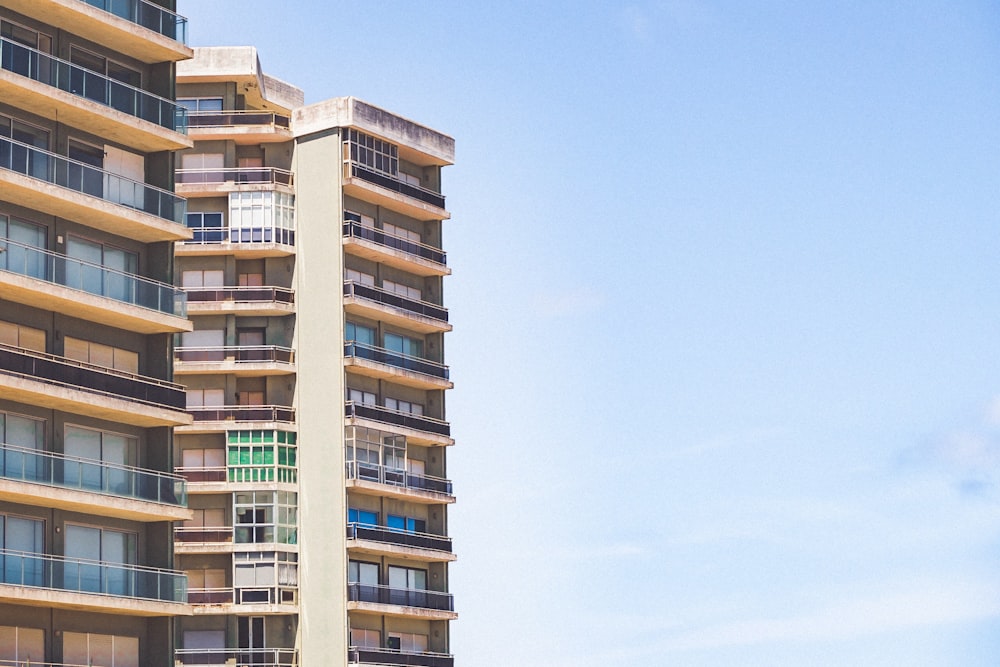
376 154
204 278
207 227
262 217
200 459
359 396
362 517
18 335
88 181
20 60
119 283
406 642
203 581
99 89
208 641
362 573
404 406
359 277
401 289
21 645
101 355
18 243
106 650
366 451
365 220
251 280
202 345
261 456
265 517
206 398
401 232
17 155
407 586
202 168
359 333
207 518
25 535
103 446
257 573
406 524
361 638
201 103
105 546
413 347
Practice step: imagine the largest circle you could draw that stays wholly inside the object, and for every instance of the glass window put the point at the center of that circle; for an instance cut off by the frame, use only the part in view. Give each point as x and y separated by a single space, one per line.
359 333
363 517
404 345
362 573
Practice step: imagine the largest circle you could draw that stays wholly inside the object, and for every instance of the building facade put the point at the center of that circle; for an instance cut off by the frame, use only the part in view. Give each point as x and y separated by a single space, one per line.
316 458
88 311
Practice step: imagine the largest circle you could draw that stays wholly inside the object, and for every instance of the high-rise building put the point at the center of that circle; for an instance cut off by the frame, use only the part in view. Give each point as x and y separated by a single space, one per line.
88 309
316 461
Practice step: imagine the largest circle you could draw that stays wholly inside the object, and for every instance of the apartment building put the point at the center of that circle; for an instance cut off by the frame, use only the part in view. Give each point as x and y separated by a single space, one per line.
88 311
316 458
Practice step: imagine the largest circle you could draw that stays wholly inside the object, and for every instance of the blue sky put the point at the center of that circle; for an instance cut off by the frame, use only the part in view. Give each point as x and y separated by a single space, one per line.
726 316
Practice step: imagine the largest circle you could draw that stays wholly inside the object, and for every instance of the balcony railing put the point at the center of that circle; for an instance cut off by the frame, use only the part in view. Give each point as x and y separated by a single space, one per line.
356 230
387 656
360 531
203 534
76 274
158 19
396 185
237 119
61 371
242 413
380 474
240 354
238 657
237 175
396 359
80 575
72 472
397 417
210 596
407 597
240 294
70 78
379 295
202 475
90 180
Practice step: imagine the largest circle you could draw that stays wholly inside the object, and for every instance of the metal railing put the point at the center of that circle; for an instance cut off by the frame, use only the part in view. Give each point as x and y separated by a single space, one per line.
73 472
236 175
388 656
387 298
237 353
148 15
243 413
371 472
378 178
361 531
238 657
269 233
210 596
79 575
80 81
51 369
203 534
76 274
397 417
240 294
406 597
356 230
396 359
35 663
202 474
237 119
90 180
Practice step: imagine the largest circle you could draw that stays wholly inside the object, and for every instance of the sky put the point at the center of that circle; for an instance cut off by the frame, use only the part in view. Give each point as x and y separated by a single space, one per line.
726 320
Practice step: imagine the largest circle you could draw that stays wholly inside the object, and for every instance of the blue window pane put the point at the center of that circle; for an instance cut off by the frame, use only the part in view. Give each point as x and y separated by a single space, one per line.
396 522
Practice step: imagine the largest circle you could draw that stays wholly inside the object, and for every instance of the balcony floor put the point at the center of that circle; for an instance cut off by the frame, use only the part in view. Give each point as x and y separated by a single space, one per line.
93 602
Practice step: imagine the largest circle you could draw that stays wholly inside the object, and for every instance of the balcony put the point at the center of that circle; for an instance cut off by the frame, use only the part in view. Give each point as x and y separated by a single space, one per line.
50 479
204 479
247 301
203 540
379 304
59 383
241 360
215 182
376 187
393 482
382 540
379 246
386 656
210 596
421 430
141 29
57 185
212 419
242 127
237 657
75 583
259 600
401 368
375 598
66 93
267 240
45 279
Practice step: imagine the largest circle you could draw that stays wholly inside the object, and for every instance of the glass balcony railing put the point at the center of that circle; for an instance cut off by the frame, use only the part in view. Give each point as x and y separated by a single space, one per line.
243 413
406 597
395 359
397 417
94 279
355 230
72 472
53 370
240 295
78 575
357 655
237 119
356 170
236 175
89 180
387 298
380 474
239 354
257 657
70 78
160 20
360 531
